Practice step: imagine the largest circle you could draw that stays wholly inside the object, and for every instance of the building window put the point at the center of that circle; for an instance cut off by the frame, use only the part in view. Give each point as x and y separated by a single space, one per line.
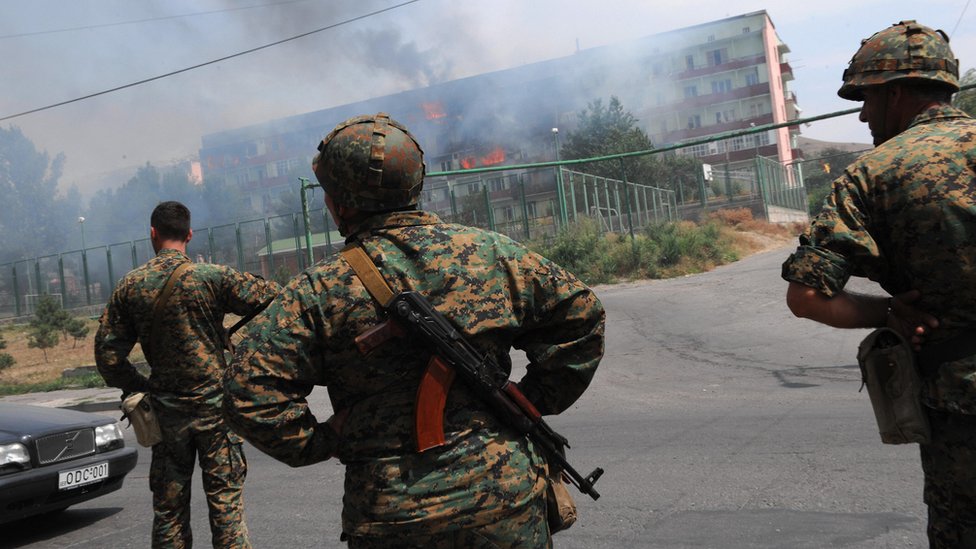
718 118
752 78
691 91
711 37
531 208
717 57
722 86
497 184
694 121
447 165
690 61
281 168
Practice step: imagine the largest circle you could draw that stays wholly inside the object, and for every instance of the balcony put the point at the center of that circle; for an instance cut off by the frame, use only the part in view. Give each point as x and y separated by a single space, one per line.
731 64
692 133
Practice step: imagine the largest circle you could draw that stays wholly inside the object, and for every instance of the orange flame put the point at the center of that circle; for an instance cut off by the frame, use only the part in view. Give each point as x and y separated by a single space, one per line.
433 110
496 156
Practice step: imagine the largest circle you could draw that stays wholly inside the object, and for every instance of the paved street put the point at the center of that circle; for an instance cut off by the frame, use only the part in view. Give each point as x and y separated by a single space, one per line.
720 419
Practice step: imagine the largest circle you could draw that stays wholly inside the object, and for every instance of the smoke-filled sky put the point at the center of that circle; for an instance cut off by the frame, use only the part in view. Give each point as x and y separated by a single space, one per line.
58 50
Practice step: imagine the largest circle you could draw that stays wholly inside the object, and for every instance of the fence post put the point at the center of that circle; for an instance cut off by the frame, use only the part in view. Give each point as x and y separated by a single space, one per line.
572 194
210 245
525 208
61 284
488 210
111 271
586 198
267 241
630 218
16 290
328 231
298 243
760 179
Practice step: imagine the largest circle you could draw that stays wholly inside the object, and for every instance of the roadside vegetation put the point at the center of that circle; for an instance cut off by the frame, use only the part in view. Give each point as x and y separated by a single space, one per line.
54 340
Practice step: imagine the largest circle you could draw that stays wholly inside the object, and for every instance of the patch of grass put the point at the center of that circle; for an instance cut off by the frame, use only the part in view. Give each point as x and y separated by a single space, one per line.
657 251
89 381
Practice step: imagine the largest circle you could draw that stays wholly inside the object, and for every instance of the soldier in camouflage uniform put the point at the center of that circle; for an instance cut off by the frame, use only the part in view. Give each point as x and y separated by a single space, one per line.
904 215
484 487
185 376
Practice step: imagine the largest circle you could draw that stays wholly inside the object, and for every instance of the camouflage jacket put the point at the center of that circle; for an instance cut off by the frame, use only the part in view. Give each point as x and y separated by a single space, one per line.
904 215
186 370
497 292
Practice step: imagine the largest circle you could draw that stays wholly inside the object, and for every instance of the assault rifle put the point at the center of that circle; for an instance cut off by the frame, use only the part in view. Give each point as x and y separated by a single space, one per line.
412 313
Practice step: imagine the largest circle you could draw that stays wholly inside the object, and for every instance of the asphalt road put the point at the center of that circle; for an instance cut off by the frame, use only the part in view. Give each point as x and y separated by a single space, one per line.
720 419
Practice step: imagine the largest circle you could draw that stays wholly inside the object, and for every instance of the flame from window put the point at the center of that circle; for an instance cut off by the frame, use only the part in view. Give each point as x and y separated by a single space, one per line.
496 156
433 110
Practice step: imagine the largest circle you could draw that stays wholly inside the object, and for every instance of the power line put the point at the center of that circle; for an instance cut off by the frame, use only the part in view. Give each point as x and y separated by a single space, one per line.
161 18
964 8
225 58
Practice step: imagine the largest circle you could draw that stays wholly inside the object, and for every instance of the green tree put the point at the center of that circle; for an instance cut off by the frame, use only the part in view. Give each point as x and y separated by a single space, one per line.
819 174
77 329
6 359
43 338
35 217
966 100
605 130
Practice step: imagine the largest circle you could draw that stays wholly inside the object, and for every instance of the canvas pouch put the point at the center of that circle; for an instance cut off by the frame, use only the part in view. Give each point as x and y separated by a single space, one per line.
889 371
138 410
560 507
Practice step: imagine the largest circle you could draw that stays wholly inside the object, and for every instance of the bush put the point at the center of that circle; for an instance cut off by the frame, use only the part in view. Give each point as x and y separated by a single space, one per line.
658 250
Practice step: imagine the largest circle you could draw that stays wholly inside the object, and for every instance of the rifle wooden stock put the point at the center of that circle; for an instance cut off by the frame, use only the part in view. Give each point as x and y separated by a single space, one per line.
377 335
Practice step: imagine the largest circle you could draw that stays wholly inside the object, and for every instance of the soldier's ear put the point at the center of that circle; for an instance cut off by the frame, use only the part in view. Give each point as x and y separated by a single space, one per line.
189 235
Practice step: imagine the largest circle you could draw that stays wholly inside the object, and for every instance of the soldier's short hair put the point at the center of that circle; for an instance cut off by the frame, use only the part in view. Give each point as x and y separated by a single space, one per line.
171 220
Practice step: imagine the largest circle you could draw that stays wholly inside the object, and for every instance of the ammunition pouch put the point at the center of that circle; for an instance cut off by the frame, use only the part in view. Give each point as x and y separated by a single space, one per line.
560 507
137 408
889 371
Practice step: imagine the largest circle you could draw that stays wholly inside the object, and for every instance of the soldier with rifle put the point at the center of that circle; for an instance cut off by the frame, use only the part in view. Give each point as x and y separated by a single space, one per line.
410 328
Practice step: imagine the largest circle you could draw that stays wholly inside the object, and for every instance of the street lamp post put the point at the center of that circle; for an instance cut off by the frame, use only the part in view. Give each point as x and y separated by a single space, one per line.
81 221
84 261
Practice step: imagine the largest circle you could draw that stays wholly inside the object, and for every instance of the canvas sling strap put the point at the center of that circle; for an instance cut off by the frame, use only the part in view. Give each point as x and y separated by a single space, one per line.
161 301
137 406
432 396
437 377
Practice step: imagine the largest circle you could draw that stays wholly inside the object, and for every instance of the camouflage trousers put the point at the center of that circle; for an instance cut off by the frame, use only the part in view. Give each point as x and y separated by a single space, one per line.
949 463
223 469
525 529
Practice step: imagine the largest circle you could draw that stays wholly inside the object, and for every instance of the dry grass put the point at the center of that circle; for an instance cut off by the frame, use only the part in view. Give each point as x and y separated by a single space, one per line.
32 367
751 236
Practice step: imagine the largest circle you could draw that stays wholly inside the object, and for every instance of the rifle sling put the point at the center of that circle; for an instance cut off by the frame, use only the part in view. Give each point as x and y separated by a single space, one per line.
437 378
161 301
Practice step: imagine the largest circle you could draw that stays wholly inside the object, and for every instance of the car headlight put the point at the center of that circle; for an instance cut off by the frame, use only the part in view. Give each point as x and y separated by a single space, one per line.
108 437
13 457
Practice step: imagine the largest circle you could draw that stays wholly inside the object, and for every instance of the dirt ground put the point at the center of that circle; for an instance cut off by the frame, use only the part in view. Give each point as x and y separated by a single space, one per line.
32 367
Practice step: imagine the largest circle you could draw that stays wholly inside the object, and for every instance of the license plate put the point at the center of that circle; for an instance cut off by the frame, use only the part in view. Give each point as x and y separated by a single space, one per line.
84 475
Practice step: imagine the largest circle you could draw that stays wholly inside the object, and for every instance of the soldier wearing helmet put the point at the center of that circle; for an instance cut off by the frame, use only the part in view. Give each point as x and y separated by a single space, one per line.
483 487
903 215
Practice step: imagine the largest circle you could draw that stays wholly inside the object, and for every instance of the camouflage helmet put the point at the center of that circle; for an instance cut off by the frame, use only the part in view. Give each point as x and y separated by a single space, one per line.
371 163
905 50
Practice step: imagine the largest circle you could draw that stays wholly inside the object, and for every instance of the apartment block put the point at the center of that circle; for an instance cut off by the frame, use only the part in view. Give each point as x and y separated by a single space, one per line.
682 85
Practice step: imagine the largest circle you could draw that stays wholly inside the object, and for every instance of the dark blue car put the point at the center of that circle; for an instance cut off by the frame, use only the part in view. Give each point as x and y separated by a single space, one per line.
51 458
